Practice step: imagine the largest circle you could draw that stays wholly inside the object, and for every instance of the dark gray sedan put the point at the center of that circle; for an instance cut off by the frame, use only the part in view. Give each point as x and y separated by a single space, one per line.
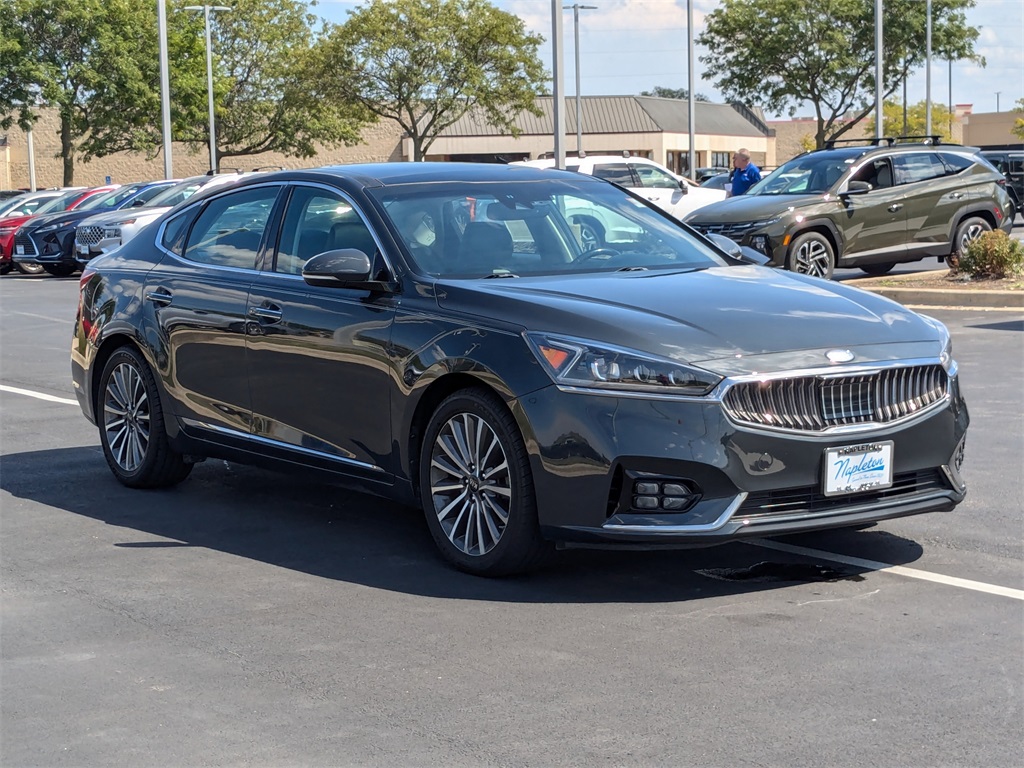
443 335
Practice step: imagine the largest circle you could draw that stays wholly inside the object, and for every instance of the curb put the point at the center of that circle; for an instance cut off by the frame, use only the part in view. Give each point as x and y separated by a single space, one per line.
935 297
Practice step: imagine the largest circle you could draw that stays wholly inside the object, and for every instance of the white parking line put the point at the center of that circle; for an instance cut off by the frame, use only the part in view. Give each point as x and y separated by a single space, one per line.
39 395
900 570
68 320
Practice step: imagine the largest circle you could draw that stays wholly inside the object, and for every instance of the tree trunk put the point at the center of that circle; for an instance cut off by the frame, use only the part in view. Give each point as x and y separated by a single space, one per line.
417 149
67 147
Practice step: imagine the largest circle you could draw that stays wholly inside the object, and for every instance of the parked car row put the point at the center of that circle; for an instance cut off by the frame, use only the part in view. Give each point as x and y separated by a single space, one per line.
58 230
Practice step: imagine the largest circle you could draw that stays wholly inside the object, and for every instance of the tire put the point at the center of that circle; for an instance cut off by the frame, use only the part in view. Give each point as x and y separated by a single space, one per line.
467 485
878 269
60 270
29 269
591 233
811 254
970 229
131 424
6 267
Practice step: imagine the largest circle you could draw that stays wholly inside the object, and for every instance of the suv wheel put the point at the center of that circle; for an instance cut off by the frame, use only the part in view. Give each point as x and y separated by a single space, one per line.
27 268
811 254
970 229
878 269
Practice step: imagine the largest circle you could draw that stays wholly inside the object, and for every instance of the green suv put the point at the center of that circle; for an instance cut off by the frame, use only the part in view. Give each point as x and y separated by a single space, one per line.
865 206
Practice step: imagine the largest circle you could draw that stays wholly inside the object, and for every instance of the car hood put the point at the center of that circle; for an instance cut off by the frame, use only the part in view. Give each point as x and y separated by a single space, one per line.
732 320
69 216
112 217
750 208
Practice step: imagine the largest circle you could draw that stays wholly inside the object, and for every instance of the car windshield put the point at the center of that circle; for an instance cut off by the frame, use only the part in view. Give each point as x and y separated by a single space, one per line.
109 199
814 173
147 195
61 202
469 230
171 196
12 204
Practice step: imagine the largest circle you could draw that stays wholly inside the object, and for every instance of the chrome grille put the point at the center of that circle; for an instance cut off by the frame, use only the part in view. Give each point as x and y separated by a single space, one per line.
88 235
25 241
815 403
732 230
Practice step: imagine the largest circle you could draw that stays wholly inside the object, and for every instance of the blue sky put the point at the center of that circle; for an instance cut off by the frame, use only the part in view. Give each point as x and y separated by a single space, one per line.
627 46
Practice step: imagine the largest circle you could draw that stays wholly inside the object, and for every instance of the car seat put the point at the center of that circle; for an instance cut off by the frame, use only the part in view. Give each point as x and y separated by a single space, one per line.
884 177
485 246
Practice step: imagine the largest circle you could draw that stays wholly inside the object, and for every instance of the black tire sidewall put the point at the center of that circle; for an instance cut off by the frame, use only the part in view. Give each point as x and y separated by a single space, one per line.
516 549
969 221
800 240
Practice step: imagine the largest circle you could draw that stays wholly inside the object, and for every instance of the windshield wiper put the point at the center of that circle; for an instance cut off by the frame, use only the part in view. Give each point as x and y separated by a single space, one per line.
494 275
631 269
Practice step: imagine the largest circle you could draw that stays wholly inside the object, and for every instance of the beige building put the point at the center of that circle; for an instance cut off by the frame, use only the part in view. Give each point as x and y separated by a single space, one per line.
992 130
644 126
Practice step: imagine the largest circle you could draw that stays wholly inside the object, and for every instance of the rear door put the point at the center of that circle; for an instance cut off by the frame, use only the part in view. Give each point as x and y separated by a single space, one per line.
198 298
934 192
318 360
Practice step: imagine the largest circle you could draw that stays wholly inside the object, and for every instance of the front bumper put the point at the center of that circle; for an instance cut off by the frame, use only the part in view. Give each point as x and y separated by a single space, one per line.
51 248
587 450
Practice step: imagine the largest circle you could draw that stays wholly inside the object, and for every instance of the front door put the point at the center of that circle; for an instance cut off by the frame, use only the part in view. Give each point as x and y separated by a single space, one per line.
318 357
874 223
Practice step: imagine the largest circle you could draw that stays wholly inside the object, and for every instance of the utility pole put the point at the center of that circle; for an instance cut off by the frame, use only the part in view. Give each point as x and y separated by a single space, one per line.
576 8
997 100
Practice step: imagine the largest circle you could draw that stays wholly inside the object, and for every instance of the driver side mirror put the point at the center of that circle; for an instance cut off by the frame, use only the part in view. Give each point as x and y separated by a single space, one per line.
343 268
856 188
684 186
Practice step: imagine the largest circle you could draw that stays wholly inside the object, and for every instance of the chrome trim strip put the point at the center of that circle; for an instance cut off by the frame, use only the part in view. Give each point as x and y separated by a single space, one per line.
705 528
278 444
708 398
888 504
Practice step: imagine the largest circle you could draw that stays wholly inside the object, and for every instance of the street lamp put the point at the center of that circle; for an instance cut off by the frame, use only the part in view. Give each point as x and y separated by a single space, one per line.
576 8
207 10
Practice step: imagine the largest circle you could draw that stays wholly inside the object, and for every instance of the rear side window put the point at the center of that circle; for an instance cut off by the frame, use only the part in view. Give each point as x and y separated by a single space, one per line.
920 166
175 230
956 163
617 173
230 229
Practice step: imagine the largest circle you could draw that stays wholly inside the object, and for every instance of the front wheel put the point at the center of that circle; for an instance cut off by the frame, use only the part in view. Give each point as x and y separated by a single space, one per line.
878 269
477 489
131 423
29 269
60 270
6 267
811 254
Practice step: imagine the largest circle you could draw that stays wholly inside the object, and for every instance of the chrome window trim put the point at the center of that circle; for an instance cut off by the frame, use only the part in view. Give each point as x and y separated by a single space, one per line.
359 213
278 444
669 529
159 243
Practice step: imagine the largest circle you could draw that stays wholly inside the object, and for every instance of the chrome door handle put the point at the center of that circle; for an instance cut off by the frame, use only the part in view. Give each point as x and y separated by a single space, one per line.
160 296
957 195
895 207
270 314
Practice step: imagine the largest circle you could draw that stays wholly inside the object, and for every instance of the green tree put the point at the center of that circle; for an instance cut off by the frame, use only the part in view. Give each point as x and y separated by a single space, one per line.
263 99
1018 124
425 63
674 93
96 63
892 120
784 53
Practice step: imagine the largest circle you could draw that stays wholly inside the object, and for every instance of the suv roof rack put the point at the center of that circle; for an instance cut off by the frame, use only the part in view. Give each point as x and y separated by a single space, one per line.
886 141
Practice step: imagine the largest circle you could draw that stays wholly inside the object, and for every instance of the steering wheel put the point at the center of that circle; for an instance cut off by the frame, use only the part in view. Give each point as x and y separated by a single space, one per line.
593 253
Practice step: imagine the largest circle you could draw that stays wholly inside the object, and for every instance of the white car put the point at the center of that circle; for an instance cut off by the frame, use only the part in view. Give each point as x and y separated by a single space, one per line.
643 177
104 232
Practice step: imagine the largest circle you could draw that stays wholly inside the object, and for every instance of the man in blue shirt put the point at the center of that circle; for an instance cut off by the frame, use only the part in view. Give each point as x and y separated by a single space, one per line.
745 173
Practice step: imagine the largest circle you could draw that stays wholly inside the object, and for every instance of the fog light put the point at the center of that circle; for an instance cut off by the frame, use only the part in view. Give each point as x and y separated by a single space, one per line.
645 502
675 502
760 243
648 489
674 489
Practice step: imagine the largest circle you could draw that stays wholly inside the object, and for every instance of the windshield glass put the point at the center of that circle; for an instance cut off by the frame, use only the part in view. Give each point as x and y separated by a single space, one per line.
814 173
111 199
12 205
171 196
60 203
146 196
462 229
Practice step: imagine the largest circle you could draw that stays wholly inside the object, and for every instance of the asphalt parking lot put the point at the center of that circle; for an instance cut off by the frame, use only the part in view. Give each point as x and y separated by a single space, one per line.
251 618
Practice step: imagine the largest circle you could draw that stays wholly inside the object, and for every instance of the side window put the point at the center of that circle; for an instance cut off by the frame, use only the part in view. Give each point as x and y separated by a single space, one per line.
318 221
617 173
877 173
1016 164
919 166
651 176
175 230
229 230
955 163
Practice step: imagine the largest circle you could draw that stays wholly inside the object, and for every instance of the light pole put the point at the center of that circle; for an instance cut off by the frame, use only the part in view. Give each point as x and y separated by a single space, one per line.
927 70
691 103
207 10
879 128
997 100
558 87
576 8
165 85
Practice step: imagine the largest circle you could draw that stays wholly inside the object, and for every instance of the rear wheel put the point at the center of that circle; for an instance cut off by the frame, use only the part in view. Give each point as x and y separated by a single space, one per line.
131 423
60 270
591 233
29 269
970 229
477 489
6 267
811 254
878 269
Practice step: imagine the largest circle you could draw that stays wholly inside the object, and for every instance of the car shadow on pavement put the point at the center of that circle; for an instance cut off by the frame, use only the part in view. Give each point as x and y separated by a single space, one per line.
316 528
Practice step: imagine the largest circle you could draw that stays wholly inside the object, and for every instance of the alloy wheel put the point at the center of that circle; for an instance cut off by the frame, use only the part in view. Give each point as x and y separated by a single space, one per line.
126 417
812 258
969 233
470 484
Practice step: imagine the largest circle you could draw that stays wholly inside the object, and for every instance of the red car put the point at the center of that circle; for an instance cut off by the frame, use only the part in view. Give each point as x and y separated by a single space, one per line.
68 201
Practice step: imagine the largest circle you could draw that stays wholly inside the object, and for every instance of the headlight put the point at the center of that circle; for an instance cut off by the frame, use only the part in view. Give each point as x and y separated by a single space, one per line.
5 231
946 355
112 232
53 227
579 363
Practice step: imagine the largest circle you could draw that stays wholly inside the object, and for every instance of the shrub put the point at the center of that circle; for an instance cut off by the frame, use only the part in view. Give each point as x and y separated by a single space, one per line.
994 254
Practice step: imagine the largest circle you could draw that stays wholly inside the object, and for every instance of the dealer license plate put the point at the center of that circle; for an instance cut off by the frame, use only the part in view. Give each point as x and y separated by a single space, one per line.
856 468
82 248
20 250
